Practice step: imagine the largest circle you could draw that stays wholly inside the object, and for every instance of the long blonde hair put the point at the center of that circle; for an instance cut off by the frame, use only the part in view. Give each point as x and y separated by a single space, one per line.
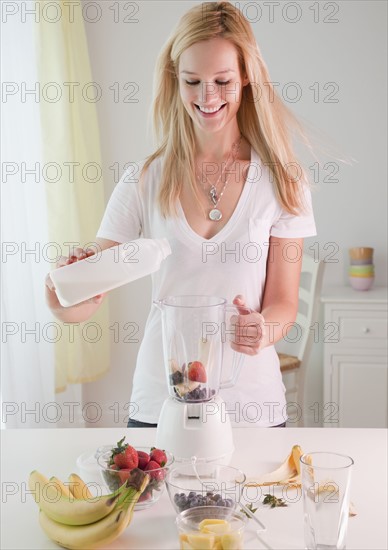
265 122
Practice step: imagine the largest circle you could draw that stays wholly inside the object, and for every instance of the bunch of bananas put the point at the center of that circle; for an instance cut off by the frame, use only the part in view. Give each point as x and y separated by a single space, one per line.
73 518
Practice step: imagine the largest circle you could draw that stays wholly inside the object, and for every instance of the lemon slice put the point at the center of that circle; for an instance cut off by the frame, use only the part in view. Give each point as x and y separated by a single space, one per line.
206 522
201 541
216 529
231 541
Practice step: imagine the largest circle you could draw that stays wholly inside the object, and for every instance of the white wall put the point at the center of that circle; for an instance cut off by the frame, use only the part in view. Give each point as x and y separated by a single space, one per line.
312 51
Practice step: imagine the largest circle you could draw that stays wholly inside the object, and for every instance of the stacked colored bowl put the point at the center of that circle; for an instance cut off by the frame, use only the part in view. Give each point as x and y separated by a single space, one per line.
361 270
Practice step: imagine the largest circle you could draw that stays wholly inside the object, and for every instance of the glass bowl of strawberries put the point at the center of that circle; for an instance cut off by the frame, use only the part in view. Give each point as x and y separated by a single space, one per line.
117 464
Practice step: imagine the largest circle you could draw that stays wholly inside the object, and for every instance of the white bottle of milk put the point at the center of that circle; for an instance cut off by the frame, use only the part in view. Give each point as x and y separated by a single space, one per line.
108 269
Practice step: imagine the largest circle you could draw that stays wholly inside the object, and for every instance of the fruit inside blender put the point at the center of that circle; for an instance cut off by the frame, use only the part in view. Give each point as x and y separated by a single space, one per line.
190 382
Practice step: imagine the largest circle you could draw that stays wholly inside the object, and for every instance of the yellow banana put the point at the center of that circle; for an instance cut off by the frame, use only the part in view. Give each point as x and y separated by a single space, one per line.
70 511
288 472
104 531
62 489
296 454
78 487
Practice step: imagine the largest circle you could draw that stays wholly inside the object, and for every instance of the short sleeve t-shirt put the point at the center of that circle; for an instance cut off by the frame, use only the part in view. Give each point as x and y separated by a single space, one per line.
230 263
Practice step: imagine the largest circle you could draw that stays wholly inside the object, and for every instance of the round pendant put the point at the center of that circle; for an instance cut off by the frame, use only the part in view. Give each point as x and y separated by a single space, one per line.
215 215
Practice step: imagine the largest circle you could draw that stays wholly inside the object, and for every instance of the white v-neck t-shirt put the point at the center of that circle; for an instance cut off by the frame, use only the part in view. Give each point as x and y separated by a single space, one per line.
230 263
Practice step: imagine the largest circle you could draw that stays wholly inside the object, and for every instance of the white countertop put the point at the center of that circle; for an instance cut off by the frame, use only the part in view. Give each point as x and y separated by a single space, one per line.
54 452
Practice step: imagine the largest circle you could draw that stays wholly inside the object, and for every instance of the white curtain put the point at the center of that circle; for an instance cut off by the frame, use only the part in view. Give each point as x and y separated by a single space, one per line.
29 331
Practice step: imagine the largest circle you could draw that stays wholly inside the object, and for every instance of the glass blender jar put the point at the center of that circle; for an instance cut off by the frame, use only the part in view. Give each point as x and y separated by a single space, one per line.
194 420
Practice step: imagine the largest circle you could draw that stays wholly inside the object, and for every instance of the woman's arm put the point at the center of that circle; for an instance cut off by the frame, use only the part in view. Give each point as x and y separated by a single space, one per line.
83 311
281 294
280 300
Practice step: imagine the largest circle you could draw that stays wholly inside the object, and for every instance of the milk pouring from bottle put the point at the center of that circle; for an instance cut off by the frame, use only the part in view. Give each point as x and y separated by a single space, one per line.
108 269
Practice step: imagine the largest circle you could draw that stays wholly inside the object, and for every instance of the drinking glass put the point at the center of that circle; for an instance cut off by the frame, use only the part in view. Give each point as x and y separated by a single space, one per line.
325 487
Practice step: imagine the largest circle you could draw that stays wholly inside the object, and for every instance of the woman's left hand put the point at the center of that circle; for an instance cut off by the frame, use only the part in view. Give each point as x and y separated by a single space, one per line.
249 328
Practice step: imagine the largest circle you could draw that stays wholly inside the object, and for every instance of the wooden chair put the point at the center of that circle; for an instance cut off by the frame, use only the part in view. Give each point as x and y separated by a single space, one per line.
294 351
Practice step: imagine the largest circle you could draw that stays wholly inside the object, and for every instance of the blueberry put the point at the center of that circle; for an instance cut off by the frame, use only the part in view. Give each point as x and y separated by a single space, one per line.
176 378
182 502
197 394
192 494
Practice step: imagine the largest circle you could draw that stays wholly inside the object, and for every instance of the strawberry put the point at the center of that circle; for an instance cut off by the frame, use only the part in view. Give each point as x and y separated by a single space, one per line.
124 456
197 372
127 459
155 471
144 459
159 456
145 496
124 475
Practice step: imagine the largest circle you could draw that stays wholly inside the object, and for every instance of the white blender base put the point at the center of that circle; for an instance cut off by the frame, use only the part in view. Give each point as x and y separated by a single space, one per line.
202 430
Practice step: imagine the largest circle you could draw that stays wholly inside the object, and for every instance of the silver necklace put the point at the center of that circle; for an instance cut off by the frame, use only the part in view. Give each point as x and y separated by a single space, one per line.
213 186
215 213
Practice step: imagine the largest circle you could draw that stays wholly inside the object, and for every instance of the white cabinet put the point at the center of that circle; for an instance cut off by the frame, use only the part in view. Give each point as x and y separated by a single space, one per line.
355 358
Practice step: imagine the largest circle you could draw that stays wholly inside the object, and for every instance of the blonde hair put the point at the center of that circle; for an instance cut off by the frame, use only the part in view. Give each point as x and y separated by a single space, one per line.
265 122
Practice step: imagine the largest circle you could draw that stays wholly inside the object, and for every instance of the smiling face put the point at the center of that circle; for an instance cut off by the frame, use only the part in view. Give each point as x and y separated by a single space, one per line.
210 83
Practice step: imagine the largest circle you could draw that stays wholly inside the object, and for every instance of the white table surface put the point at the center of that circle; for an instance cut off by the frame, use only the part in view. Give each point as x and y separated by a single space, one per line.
54 452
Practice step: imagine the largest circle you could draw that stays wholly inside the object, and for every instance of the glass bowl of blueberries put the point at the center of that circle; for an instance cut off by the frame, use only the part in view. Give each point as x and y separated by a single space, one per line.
204 484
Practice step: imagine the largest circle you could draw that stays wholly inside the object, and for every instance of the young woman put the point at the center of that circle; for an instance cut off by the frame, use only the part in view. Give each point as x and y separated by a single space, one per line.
225 189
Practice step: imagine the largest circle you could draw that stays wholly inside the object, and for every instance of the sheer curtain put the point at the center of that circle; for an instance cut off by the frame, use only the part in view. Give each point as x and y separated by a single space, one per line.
74 183
27 375
41 213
